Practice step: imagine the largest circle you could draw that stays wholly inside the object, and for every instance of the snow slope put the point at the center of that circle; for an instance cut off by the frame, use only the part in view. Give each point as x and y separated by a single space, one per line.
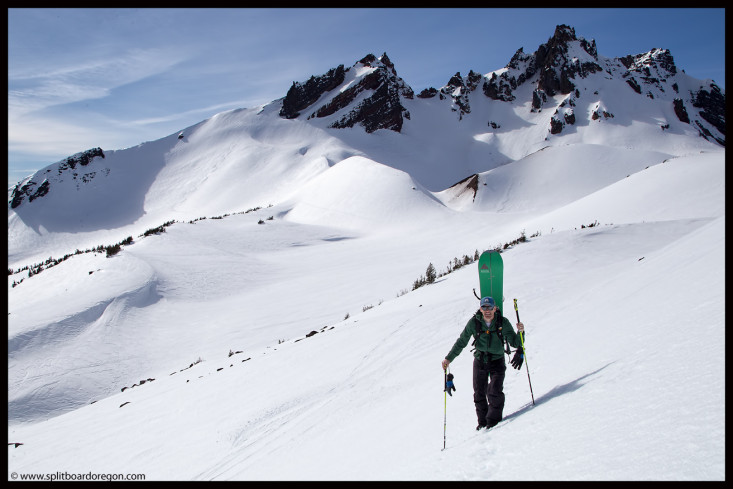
618 378
269 330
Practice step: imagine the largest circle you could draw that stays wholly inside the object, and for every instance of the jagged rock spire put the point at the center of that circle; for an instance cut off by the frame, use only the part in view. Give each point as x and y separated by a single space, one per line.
381 110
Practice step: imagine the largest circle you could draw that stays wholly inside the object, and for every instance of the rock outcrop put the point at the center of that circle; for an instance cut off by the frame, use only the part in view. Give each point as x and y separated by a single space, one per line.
32 189
553 67
381 108
302 95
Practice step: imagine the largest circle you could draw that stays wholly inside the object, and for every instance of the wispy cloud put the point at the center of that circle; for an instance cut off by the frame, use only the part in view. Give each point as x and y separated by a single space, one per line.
202 111
33 89
44 138
35 93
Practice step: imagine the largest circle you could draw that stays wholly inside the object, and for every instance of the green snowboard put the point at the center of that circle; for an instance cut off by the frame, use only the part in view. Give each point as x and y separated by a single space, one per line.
491 277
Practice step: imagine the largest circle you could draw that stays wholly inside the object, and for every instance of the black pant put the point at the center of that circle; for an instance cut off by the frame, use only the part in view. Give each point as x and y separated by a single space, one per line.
488 390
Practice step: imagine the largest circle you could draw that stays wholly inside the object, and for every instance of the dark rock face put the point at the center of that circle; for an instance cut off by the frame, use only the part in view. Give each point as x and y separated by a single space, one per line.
659 61
83 159
32 190
597 113
712 105
555 67
538 98
555 126
28 190
457 90
473 80
499 88
557 123
428 93
302 95
467 186
634 84
382 109
649 70
370 82
679 109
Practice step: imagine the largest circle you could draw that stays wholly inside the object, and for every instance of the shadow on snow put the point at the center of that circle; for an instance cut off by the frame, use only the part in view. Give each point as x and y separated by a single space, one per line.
555 392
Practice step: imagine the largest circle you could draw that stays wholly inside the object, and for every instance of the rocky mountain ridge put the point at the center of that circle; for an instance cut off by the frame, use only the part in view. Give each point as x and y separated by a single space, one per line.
555 68
565 77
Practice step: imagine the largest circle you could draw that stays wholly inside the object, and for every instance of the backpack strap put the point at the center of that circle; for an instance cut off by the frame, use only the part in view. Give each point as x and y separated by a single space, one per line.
479 329
499 324
499 327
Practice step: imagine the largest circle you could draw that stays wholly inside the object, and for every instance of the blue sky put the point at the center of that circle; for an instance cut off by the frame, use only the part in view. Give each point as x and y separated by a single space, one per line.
114 78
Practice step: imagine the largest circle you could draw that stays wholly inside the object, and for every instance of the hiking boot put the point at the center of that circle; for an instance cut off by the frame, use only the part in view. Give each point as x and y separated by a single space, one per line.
480 426
492 423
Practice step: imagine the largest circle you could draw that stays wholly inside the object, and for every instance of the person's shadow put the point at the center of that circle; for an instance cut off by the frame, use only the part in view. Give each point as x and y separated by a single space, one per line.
555 392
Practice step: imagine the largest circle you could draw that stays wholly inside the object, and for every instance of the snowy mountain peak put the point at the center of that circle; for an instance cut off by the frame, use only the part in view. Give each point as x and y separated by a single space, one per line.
568 65
373 62
552 67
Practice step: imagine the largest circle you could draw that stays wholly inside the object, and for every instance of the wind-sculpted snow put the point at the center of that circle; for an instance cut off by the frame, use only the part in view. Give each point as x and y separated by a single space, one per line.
90 302
359 193
38 389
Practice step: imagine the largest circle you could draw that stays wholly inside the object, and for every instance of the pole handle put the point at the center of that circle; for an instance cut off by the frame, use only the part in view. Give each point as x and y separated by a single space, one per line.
521 337
521 334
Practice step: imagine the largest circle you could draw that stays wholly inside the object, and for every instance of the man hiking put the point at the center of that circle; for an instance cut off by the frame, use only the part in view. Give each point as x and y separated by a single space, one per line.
490 329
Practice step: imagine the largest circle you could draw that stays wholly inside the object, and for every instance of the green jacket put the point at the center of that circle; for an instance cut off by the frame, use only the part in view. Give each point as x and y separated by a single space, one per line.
490 343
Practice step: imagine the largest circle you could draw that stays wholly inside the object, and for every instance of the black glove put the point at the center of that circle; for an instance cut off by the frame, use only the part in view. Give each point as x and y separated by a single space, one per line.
449 385
518 358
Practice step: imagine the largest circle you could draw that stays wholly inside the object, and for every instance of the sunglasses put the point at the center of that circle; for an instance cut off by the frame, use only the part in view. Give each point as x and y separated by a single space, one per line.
487 308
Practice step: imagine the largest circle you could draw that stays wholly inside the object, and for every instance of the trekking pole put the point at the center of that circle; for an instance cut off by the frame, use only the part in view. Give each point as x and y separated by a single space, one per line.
521 337
445 403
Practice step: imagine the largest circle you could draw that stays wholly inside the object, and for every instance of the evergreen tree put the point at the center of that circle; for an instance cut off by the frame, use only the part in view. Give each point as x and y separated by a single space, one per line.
430 274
